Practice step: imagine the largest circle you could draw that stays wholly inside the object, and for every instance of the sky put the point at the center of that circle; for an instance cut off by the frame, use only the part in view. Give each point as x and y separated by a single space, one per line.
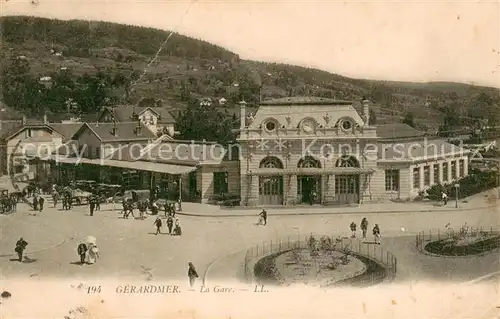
386 40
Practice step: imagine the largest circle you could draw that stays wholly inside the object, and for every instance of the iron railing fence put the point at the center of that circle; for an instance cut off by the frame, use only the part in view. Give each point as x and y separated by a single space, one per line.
437 234
354 246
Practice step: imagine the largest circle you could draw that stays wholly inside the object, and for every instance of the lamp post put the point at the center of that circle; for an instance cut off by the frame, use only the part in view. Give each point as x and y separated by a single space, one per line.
456 194
180 193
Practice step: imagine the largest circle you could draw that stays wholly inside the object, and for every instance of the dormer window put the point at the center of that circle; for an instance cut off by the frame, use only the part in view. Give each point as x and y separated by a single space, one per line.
308 126
270 125
346 124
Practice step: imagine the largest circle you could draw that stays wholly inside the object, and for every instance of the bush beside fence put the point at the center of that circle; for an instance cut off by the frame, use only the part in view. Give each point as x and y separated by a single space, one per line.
352 245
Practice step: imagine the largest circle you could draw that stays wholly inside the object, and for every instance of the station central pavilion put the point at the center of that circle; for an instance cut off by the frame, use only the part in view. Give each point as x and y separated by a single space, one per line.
315 150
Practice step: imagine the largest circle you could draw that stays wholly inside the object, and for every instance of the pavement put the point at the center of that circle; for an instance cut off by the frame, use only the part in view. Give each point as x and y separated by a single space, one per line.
130 249
482 200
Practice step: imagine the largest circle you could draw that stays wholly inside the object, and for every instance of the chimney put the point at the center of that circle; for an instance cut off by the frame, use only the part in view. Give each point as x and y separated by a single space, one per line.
243 114
24 120
138 129
45 121
114 130
366 111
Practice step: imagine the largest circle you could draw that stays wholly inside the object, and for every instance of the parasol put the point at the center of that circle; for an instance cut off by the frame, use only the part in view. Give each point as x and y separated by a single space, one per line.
90 240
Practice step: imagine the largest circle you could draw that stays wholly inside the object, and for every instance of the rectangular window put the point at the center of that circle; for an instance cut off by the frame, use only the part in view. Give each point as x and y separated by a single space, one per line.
98 152
220 183
436 173
461 168
151 120
29 133
427 175
416 177
392 179
445 173
453 169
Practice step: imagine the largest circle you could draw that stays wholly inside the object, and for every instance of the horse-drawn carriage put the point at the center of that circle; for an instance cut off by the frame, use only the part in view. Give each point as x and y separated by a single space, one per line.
77 196
6 201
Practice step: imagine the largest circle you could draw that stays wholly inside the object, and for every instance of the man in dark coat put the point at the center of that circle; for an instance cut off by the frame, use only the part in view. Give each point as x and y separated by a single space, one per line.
20 247
92 207
158 225
35 203
82 250
263 214
170 224
41 201
364 226
192 274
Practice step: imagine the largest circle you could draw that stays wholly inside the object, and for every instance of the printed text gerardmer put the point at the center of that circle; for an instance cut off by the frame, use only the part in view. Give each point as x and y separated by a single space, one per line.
147 289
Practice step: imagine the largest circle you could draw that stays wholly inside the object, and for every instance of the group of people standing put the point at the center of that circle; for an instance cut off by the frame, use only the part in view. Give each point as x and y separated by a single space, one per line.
174 228
364 229
38 202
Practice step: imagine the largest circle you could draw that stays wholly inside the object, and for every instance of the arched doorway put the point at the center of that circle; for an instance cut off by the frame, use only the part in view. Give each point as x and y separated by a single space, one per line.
347 186
271 186
309 186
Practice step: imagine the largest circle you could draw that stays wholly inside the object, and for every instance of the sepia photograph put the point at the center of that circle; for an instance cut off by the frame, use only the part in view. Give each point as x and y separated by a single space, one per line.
249 159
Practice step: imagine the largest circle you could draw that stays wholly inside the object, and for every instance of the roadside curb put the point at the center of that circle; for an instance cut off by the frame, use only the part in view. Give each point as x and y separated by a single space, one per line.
64 241
478 280
340 213
217 260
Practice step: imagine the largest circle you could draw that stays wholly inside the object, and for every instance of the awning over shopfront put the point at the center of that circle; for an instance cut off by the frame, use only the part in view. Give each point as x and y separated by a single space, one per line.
132 165
151 167
312 171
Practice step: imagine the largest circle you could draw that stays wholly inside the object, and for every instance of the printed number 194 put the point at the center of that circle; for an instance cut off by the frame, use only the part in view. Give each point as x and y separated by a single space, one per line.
94 290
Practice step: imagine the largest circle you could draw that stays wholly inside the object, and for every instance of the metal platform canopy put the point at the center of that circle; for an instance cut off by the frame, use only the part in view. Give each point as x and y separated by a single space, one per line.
136 165
149 166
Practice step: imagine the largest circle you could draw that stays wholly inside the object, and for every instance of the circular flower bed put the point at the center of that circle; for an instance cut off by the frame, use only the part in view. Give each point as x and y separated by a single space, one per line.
323 268
464 245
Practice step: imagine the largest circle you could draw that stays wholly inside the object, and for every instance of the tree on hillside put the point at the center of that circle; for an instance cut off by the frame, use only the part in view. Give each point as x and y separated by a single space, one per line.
198 122
451 121
409 119
19 88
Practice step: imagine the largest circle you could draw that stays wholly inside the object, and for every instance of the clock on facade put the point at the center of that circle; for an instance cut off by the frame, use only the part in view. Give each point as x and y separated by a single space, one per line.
308 126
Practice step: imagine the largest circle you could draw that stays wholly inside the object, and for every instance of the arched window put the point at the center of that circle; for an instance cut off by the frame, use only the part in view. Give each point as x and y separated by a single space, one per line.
271 162
309 162
347 161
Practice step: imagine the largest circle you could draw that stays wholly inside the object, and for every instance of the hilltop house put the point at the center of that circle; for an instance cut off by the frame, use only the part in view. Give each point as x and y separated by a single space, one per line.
155 118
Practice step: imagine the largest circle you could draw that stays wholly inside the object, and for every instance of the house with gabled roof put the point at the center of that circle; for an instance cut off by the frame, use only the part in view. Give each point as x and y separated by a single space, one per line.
157 119
23 142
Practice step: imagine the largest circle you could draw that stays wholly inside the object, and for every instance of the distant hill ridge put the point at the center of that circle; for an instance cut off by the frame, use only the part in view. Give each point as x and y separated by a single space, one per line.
190 68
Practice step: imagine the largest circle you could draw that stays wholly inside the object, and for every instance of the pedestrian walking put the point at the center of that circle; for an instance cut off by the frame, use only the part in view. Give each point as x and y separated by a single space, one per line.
353 230
364 226
93 254
35 203
82 252
97 200
20 247
158 225
41 201
444 197
92 207
170 223
263 217
192 274
177 227
376 234
55 197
